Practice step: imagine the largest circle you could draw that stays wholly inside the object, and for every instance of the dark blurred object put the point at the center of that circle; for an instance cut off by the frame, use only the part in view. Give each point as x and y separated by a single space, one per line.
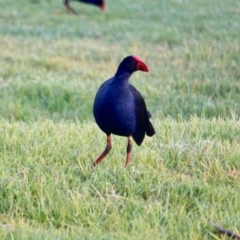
99 3
226 232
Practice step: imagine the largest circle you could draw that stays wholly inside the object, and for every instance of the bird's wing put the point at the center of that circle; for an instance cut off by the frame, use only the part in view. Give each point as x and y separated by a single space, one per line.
143 125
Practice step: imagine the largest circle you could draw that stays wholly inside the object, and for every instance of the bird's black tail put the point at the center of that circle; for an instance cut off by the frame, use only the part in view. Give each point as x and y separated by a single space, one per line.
150 131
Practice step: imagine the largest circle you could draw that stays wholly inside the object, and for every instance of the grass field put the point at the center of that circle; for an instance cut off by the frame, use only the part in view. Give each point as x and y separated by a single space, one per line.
180 181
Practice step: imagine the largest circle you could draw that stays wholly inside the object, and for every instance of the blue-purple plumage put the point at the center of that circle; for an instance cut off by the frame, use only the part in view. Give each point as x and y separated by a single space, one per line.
120 109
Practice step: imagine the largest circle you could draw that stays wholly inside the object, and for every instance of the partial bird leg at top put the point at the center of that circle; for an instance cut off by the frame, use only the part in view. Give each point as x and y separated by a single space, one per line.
105 152
129 151
69 8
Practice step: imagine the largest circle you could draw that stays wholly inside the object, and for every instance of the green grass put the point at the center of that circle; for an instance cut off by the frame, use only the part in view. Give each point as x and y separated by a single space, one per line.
179 181
186 176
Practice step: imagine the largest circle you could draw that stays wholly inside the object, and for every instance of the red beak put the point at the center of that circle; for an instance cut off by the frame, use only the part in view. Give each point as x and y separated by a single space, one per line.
141 66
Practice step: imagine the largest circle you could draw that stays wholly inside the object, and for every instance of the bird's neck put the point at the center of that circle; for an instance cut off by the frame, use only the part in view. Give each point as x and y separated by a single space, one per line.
122 76
121 81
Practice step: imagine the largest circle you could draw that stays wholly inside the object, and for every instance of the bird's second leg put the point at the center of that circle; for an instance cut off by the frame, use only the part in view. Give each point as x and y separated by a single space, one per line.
105 152
69 8
129 151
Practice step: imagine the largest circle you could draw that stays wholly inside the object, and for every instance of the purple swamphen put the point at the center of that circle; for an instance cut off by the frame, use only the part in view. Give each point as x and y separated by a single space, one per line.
99 3
120 109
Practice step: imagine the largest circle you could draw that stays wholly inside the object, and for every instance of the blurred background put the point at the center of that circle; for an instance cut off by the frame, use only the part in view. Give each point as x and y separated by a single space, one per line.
52 62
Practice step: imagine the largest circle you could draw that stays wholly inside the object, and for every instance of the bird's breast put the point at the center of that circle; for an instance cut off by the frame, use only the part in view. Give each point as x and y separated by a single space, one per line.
114 112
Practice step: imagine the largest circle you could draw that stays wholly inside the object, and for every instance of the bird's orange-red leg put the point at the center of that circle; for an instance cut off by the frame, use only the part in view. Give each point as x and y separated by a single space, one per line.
129 151
105 152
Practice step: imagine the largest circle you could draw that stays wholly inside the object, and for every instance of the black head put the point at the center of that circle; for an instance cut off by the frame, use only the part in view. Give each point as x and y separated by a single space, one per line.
131 64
